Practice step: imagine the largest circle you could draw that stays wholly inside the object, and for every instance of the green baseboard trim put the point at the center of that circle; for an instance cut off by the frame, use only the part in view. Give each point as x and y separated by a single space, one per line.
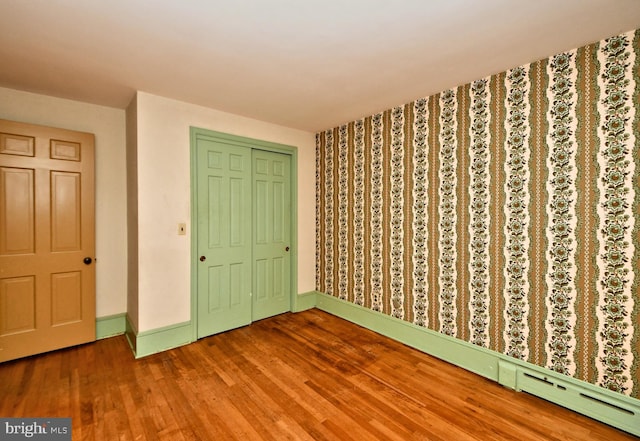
158 340
162 339
452 350
304 301
111 325
130 332
617 410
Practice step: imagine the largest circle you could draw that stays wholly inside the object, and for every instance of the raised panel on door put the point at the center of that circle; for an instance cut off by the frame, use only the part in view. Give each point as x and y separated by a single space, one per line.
66 298
17 211
21 145
66 211
215 288
224 237
17 305
47 292
215 221
271 226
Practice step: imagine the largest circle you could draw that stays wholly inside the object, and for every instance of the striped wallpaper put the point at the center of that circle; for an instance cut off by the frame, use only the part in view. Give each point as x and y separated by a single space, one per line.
501 212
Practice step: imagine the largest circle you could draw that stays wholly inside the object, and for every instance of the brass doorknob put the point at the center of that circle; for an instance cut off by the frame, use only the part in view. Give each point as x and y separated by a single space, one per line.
202 258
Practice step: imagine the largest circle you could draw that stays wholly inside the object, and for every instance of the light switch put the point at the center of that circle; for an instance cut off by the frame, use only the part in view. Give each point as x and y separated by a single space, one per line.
182 229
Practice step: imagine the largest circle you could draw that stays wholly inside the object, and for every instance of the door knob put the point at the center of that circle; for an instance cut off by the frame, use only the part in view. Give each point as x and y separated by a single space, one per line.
202 258
87 260
286 249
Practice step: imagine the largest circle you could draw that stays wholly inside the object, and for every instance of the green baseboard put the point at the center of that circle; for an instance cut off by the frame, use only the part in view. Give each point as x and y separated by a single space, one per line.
611 408
111 325
158 340
169 337
304 301
473 358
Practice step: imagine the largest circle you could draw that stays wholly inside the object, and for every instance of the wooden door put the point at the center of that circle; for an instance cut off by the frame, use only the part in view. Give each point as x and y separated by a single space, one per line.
224 236
271 234
47 242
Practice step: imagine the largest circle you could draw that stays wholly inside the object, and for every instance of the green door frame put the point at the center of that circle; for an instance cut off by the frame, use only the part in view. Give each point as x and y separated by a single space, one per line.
199 133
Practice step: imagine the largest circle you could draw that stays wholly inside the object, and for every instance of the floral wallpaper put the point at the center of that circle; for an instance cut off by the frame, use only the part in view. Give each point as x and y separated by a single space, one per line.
502 212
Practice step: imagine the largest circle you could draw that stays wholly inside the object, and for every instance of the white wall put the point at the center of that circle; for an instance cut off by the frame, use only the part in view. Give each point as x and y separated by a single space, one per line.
108 125
163 155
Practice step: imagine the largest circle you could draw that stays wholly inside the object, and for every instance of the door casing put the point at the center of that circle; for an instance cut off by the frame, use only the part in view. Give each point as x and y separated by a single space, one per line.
200 133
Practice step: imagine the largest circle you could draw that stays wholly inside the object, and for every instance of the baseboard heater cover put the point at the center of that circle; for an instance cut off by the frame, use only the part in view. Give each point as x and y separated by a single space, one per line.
587 402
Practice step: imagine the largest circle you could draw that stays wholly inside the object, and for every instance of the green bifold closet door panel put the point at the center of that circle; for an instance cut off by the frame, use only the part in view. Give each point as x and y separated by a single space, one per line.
243 221
271 238
224 237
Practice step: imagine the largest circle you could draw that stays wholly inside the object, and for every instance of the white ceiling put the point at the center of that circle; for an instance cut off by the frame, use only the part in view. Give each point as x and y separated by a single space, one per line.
306 64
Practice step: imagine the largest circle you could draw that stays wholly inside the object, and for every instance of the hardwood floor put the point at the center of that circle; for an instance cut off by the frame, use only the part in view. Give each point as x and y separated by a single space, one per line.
305 376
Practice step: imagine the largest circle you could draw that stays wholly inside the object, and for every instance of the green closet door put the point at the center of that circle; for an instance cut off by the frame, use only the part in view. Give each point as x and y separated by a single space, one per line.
271 234
224 236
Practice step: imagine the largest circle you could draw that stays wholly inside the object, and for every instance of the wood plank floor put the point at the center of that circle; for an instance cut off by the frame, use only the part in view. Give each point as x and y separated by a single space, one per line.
305 376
